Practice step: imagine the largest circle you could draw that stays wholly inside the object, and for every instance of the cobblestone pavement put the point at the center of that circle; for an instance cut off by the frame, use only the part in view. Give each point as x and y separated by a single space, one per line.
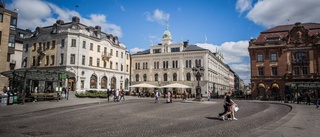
143 117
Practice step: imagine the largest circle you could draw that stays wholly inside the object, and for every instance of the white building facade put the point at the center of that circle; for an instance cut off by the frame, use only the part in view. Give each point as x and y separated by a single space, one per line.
168 63
98 59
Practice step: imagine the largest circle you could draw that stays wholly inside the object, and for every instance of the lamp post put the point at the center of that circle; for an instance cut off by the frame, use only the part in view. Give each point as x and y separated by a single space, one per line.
198 73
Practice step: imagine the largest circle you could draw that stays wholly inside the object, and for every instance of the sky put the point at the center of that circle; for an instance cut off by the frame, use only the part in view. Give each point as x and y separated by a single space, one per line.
223 25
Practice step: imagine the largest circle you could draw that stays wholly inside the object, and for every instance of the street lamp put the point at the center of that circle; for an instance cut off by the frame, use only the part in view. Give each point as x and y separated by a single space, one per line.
198 73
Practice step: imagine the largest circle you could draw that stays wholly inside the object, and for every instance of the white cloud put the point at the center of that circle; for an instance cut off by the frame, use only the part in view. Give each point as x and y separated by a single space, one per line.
157 16
36 13
235 54
136 49
243 5
271 13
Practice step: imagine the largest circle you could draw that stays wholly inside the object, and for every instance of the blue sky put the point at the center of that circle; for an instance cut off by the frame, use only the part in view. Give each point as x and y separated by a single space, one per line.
226 25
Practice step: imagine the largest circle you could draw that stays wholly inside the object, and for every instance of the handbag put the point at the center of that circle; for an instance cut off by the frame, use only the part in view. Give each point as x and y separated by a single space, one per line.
236 108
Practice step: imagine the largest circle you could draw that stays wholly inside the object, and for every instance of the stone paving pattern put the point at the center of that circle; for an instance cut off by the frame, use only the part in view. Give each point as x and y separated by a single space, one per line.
143 117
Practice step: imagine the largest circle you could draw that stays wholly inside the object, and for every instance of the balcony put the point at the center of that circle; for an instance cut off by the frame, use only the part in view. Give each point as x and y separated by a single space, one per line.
105 56
41 52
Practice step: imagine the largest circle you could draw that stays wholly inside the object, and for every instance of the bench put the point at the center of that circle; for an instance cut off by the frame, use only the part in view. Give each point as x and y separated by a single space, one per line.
44 96
26 98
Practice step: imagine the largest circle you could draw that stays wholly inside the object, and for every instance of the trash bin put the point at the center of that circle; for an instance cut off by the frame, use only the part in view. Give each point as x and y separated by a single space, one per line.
15 98
10 98
4 99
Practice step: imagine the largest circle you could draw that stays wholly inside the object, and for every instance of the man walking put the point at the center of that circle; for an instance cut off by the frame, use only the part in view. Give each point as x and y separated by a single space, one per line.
157 95
122 95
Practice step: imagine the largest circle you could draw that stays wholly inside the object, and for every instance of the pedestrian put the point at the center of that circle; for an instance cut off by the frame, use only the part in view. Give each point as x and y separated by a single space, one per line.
184 98
208 95
225 107
4 89
157 95
108 94
116 97
308 99
122 95
169 100
230 104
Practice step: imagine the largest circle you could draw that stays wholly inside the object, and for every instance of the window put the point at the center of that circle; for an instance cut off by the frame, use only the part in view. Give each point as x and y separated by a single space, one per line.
187 64
44 46
110 64
34 47
156 77
137 77
305 70
13 23
62 42
260 57
52 59
11 41
300 57
98 62
116 53
121 68
93 81
117 66
155 65
48 45
175 77
25 62
90 61
274 57
84 44
26 47
167 64
165 77
173 64
91 46
82 84
122 55
127 68
47 60
1 17
144 77
111 52
73 59
53 44
98 48
83 60
104 82
73 43
33 61
274 71
158 66
296 71
175 49
104 64
156 50
105 50
188 77
146 65
61 58
260 71
190 63
39 61
177 64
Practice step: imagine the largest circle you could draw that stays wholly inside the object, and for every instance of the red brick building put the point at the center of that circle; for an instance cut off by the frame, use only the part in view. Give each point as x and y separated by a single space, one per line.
285 59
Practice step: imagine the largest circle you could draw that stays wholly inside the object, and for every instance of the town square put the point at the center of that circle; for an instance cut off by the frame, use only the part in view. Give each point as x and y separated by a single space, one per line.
159 68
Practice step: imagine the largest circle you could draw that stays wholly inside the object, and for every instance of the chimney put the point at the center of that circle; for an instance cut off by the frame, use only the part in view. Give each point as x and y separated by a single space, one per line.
185 43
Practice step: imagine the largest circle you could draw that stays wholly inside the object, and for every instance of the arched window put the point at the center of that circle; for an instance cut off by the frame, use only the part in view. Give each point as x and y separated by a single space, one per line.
156 77
137 77
165 77
113 83
144 77
93 81
126 84
104 83
174 76
188 77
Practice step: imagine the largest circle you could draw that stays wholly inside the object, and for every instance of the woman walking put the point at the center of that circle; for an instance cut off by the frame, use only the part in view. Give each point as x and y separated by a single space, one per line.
230 104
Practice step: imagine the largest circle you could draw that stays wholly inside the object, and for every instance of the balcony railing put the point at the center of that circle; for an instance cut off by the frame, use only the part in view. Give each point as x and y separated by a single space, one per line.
105 56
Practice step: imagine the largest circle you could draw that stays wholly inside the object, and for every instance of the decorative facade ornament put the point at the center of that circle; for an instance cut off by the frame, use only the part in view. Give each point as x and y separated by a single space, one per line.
298 34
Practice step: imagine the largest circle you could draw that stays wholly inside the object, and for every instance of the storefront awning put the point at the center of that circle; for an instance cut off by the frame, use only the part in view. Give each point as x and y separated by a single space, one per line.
38 74
304 84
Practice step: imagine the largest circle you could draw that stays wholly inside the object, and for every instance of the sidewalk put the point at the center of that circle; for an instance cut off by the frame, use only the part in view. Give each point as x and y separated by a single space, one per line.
302 121
17 109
